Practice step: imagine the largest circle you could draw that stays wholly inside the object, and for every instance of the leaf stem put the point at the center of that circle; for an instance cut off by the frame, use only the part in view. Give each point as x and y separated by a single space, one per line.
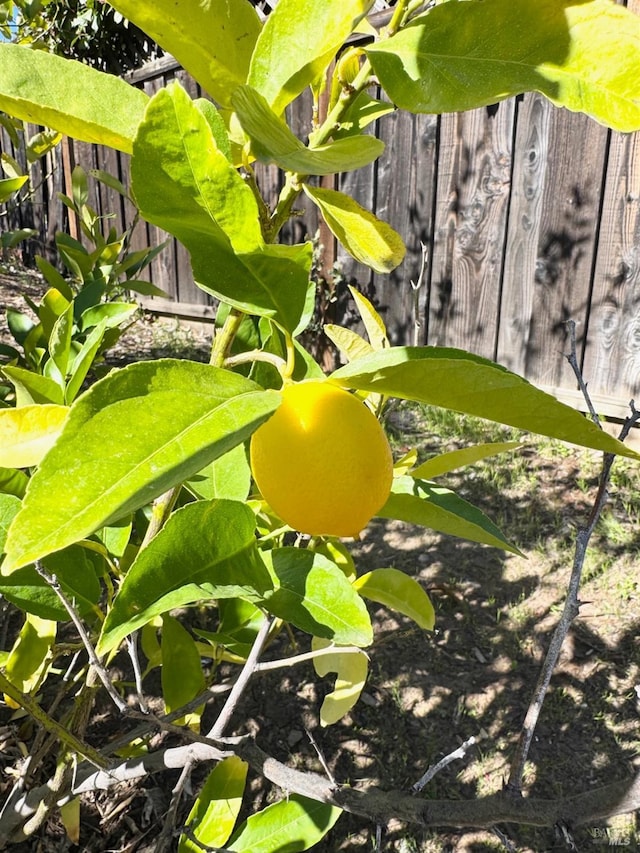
224 338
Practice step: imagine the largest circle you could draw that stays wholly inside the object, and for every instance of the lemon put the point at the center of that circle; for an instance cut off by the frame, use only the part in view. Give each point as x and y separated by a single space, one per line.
322 461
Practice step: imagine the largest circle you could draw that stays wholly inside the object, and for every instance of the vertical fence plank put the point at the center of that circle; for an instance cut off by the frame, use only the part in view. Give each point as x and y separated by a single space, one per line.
474 174
404 198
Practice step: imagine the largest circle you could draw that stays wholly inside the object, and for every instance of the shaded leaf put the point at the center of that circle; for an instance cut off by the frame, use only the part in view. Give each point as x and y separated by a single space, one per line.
29 658
136 433
229 476
182 676
457 380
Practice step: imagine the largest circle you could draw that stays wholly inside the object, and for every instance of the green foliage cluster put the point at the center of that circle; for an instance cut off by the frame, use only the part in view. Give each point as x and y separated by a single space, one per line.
135 494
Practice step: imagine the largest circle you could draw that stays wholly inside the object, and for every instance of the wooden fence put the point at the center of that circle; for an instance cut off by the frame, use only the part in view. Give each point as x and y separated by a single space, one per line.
529 215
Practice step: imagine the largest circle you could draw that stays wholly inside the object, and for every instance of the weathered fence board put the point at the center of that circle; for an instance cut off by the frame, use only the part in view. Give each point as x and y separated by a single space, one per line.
530 216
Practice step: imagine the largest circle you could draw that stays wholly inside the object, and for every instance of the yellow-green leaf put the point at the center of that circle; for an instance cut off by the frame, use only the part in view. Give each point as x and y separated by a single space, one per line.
351 670
26 434
29 657
363 235
182 676
68 96
350 343
445 462
215 812
400 592
373 322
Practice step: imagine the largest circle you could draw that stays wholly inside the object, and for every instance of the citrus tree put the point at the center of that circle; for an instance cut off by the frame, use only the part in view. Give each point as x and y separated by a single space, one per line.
139 501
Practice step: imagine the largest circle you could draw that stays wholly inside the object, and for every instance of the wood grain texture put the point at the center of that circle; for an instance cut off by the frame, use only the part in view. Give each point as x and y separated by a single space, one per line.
474 177
405 199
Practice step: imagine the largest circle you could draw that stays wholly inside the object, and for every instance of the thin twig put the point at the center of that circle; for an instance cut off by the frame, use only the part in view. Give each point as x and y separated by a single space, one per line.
460 752
572 604
416 287
94 660
165 839
217 730
321 758
132 647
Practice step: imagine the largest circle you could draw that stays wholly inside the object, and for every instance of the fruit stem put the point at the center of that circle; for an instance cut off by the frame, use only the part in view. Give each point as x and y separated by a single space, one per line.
224 338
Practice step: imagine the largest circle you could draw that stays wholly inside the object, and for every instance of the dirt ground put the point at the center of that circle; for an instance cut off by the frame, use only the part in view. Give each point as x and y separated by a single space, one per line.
429 692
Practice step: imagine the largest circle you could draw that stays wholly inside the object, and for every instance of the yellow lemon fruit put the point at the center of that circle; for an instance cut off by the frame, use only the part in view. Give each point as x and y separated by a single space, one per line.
322 461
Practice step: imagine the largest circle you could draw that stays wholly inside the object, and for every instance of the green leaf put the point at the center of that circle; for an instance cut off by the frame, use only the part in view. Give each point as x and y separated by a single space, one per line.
9 186
363 111
372 321
74 569
26 434
54 278
136 433
400 592
350 344
421 502
68 96
111 313
184 184
216 125
32 387
29 657
41 143
458 56
60 341
206 550
84 359
313 593
351 674
226 477
290 825
215 811
273 142
9 506
13 482
457 380
445 462
182 676
366 238
212 39
297 43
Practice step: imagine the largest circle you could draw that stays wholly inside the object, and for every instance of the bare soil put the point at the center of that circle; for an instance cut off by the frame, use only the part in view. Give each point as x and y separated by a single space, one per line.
429 692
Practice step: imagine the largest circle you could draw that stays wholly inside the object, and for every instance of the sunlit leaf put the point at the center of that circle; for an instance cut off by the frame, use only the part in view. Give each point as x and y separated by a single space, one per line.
32 387
136 433
26 434
400 592
29 658
457 380
215 811
184 184
373 322
367 238
445 462
297 43
10 186
219 61
273 142
43 88
583 56
294 824
421 502
350 343
351 674
206 550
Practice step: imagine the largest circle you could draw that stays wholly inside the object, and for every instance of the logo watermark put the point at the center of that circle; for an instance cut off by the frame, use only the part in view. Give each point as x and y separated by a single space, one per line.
612 837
